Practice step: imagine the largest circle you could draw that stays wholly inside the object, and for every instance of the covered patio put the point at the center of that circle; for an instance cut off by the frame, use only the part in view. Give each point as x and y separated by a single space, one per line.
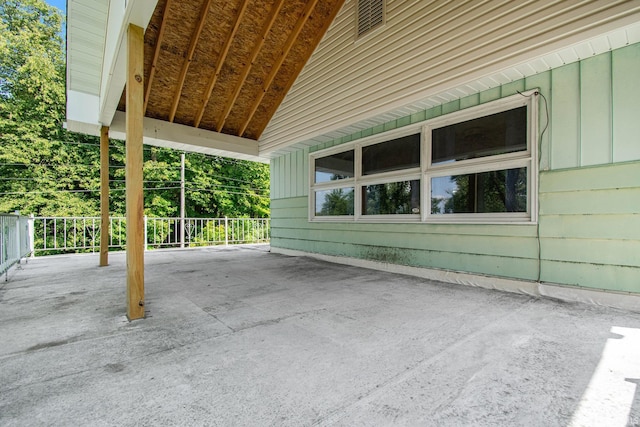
241 336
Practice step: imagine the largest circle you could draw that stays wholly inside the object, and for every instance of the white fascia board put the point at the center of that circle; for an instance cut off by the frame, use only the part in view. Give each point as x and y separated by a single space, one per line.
180 137
114 71
82 113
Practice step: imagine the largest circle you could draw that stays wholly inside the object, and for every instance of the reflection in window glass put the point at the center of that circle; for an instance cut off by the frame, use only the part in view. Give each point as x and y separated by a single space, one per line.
334 202
397 154
499 133
393 198
484 192
334 167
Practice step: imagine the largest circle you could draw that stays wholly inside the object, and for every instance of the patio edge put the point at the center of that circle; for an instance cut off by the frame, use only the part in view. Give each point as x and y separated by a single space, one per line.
619 300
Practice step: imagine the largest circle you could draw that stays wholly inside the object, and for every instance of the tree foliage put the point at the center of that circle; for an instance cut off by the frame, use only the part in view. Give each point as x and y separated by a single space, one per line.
48 171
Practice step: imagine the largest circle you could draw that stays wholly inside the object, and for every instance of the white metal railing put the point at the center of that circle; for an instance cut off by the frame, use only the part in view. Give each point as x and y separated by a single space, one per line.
82 234
16 240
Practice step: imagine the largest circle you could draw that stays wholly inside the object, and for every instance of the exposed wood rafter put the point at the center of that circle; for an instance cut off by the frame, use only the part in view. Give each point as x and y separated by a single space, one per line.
224 66
156 54
245 72
185 66
300 65
223 56
276 67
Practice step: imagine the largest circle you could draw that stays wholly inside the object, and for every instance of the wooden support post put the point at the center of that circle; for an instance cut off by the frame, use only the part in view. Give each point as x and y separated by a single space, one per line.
104 196
134 177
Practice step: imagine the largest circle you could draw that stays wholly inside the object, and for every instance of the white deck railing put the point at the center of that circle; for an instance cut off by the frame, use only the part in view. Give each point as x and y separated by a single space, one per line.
16 240
82 234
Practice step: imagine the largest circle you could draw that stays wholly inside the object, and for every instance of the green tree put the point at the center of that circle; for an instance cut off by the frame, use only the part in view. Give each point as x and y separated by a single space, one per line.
48 171
35 162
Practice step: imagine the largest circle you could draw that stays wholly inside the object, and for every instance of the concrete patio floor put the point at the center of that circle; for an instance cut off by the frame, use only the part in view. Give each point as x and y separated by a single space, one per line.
239 336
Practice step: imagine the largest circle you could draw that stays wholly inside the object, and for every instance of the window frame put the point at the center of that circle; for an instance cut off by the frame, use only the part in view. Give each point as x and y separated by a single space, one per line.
526 158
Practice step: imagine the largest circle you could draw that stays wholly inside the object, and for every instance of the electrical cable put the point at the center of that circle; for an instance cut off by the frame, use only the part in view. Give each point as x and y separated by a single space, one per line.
546 125
227 192
80 191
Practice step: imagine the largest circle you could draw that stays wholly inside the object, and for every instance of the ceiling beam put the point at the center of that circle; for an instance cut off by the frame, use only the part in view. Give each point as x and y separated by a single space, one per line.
187 138
221 60
276 66
156 54
185 66
275 10
300 65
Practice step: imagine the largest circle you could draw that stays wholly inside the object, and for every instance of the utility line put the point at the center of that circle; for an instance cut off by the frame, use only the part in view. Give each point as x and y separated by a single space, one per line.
227 192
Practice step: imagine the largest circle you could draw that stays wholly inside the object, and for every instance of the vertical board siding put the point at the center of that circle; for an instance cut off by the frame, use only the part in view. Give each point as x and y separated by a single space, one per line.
542 81
595 103
289 175
565 89
589 194
626 101
426 47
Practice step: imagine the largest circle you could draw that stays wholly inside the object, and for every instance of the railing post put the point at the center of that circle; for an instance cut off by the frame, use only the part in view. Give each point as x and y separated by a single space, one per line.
226 231
32 245
17 257
145 233
182 207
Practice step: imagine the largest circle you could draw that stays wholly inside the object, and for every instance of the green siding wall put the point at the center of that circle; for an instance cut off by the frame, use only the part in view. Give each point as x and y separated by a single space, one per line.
589 193
509 251
590 226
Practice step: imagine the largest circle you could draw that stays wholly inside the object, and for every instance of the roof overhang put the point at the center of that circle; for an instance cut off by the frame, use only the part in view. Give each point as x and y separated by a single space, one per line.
215 71
541 59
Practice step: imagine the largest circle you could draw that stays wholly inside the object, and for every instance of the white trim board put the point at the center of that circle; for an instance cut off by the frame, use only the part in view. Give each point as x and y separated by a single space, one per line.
620 300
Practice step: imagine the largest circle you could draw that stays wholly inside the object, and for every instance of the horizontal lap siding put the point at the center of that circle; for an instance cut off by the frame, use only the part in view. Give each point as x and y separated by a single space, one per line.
477 249
426 47
590 226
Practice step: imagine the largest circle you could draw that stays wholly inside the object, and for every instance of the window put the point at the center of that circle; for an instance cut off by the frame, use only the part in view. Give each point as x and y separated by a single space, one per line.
334 167
474 165
370 15
392 198
336 202
397 154
481 192
378 179
480 163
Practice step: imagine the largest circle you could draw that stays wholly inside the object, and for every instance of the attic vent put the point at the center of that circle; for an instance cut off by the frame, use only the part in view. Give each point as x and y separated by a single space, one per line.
370 15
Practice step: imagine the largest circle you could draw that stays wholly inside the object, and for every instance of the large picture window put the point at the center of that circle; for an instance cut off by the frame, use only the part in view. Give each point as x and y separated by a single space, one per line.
474 165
